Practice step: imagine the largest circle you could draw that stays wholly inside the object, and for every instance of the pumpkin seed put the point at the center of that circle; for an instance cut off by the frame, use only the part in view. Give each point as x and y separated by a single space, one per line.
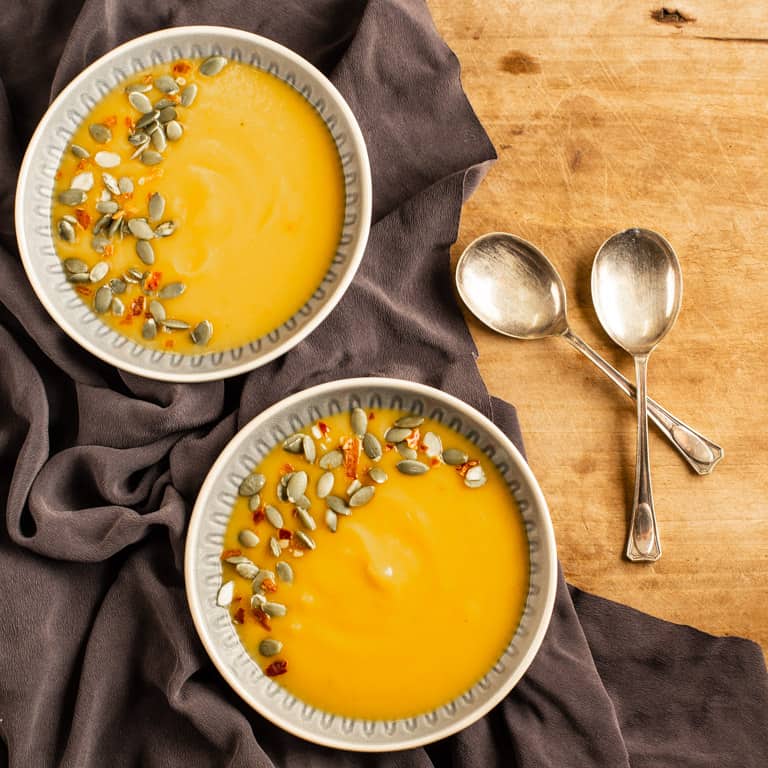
281 493
303 502
158 141
406 451
79 277
248 538
99 272
157 310
372 447
306 539
362 496
161 104
114 225
167 114
331 460
75 266
66 231
257 600
118 308
331 520
252 484
273 515
107 159
396 434
378 475
140 102
99 243
274 546
475 477
359 420
270 647
83 180
433 445
409 422
151 157
100 133
166 84
306 519
236 559
284 572
148 119
410 467
110 182
107 207
166 229
225 594
275 610
140 228
188 95
260 578
212 66
308 446
139 88
117 285
355 485
173 130
149 329
101 222
202 333
72 197
156 206
125 185
70 218
296 485
102 299
172 290
246 570
324 484
174 324
254 502
145 251
81 153
338 505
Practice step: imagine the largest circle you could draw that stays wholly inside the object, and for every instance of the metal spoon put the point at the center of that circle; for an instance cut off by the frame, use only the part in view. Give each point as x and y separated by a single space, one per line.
637 288
511 286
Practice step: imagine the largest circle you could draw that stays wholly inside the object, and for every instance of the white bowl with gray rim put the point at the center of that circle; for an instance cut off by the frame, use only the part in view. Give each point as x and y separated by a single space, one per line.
203 570
34 195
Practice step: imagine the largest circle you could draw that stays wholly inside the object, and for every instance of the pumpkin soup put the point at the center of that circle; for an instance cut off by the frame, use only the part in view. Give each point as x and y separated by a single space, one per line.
199 205
375 564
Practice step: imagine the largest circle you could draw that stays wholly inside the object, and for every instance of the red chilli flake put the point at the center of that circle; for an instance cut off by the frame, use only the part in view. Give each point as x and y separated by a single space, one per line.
83 217
263 619
462 469
268 585
137 306
412 441
111 121
168 343
258 514
284 533
279 667
181 68
323 427
371 416
83 290
286 468
351 448
239 617
231 553
109 251
435 461
151 283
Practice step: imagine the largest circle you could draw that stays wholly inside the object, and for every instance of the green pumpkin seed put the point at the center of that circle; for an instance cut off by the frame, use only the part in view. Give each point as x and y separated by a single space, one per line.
306 539
161 104
125 185
75 266
406 451
254 502
324 484
151 157
80 277
410 467
107 207
117 285
248 538
99 272
167 114
140 228
409 422
110 182
306 519
212 66
275 610
158 141
114 225
166 229
274 547
270 647
331 460
362 496
72 197
396 434
102 299
338 505
173 130
157 310
202 333
101 222
99 243
284 572
139 88
359 420
145 251
140 102
331 520
138 139
308 446
372 447
148 119
165 84
118 308
156 206
107 159
66 231
378 475
225 594
174 324
296 485
303 502
247 570
149 329
273 516
100 133
188 95
433 445
172 290
261 577
81 153
83 181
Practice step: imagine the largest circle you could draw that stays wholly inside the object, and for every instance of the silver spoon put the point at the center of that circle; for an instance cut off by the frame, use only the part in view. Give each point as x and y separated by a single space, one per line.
637 288
511 286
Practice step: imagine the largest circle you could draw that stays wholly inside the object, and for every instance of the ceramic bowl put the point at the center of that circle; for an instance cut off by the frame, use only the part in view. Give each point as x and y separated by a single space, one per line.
203 570
71 107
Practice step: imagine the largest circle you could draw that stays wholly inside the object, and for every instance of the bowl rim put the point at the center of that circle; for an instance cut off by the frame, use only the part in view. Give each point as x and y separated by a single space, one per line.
547 532
356 254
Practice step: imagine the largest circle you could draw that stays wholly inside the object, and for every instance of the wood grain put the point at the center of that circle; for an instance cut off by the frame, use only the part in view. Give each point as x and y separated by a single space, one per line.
605 117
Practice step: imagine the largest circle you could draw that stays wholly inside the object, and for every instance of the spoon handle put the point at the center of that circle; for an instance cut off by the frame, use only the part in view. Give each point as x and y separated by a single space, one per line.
700 452
643 541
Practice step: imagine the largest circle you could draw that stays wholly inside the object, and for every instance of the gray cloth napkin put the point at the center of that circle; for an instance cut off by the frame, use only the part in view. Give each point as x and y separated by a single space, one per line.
99 662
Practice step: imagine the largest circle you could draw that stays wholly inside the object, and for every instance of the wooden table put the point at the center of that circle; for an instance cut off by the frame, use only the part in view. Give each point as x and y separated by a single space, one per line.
605 117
